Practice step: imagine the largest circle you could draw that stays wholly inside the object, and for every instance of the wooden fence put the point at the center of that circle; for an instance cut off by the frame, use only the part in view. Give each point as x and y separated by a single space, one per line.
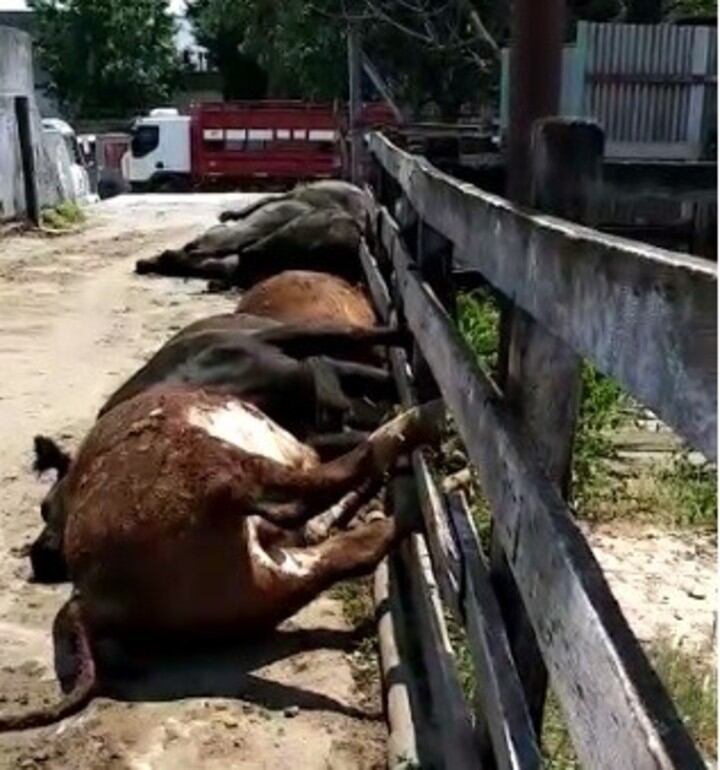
645 317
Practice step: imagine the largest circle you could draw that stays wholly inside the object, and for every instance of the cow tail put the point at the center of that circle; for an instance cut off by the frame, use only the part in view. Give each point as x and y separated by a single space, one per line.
84 689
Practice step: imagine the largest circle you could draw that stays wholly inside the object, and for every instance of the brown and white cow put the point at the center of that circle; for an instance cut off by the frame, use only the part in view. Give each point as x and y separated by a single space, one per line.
309 379
185 514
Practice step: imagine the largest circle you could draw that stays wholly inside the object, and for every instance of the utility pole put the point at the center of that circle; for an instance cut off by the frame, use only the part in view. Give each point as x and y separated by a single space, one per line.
354 99
538 33
525 349
27 157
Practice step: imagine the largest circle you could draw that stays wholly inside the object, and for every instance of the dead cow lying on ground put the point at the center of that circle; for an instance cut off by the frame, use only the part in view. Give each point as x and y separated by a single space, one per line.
291 372
321 194
303 296
319 227
185 514
307 379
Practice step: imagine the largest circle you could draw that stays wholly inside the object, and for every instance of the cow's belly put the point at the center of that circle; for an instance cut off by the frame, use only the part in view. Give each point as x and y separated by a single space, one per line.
153 548
206 584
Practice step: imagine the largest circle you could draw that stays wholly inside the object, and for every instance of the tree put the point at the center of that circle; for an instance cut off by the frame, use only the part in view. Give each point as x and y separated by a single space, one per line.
263 47
106 57
222 26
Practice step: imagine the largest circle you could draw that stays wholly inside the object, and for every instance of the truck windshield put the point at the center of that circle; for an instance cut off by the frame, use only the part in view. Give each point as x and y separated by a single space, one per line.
144 140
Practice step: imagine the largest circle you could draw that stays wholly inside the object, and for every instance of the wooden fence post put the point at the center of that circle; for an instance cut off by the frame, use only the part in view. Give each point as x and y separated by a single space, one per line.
24 128
354 100
434 255
542 379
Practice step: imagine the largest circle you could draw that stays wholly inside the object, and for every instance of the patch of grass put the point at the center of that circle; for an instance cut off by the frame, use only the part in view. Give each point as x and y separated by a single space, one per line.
557 749
679 494
479 323
463 659
358 609
356 599
603 408
691 681
65 216
691 493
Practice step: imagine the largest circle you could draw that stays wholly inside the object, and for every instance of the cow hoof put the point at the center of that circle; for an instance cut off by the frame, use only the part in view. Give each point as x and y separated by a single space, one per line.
217 286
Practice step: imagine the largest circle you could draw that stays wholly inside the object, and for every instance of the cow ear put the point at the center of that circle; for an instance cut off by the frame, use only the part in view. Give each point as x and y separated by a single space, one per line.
48 455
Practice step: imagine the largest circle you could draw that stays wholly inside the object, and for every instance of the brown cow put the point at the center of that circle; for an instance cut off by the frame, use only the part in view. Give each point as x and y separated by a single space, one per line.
308 379
302 296
185 515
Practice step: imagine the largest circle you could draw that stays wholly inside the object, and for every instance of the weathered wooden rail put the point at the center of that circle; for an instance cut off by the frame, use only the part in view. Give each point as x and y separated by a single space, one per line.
643 316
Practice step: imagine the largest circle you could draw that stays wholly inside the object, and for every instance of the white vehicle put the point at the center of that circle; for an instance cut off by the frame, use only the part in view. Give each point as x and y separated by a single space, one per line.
159 155
79 182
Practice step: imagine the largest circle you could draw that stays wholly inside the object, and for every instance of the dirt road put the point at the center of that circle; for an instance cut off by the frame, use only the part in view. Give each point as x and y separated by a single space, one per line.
75 322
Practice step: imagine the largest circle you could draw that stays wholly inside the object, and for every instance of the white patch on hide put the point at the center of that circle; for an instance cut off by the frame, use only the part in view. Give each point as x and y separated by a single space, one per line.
247 428
291 564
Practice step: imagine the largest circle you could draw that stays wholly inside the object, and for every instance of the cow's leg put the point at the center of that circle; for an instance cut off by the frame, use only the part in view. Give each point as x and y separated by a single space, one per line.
365 415
168 262
307 572
329 446
319 527
342 513
290 497
301 341
363 380
231 215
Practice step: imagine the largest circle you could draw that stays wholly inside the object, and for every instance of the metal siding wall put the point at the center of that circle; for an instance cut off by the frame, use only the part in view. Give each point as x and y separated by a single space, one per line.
649 119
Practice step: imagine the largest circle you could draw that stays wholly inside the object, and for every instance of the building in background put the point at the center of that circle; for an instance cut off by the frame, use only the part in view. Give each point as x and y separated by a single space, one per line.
46 103
46 164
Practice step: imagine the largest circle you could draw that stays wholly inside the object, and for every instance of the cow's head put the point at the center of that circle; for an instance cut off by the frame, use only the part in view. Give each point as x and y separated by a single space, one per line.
46 552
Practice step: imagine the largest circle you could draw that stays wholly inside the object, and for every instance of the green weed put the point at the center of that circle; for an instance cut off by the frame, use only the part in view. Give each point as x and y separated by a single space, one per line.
65 216
479 322
691 681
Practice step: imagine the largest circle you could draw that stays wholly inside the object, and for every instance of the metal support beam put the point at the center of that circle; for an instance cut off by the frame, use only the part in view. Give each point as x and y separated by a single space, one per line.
382 87
24 127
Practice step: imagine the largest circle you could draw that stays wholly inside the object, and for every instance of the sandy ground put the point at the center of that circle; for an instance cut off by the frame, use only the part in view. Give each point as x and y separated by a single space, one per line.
76 322
666 582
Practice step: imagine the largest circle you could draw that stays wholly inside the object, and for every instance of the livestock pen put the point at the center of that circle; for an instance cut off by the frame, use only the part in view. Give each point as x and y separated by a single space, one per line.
538 602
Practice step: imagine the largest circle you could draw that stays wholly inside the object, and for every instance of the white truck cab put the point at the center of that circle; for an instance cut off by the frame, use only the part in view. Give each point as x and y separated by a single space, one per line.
77 186
159 154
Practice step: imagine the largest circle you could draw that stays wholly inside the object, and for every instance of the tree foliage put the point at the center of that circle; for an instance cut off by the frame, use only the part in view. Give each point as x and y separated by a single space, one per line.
424 49
439 54
262 47
106 57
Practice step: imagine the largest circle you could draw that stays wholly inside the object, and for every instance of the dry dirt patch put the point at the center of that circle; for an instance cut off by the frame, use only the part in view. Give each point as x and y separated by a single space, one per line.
76 321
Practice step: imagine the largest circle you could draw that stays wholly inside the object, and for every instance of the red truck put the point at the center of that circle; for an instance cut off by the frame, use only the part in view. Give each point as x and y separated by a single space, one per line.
234 143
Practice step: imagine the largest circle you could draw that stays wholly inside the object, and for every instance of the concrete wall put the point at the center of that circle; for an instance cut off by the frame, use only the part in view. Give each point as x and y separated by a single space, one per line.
16 79
24 20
